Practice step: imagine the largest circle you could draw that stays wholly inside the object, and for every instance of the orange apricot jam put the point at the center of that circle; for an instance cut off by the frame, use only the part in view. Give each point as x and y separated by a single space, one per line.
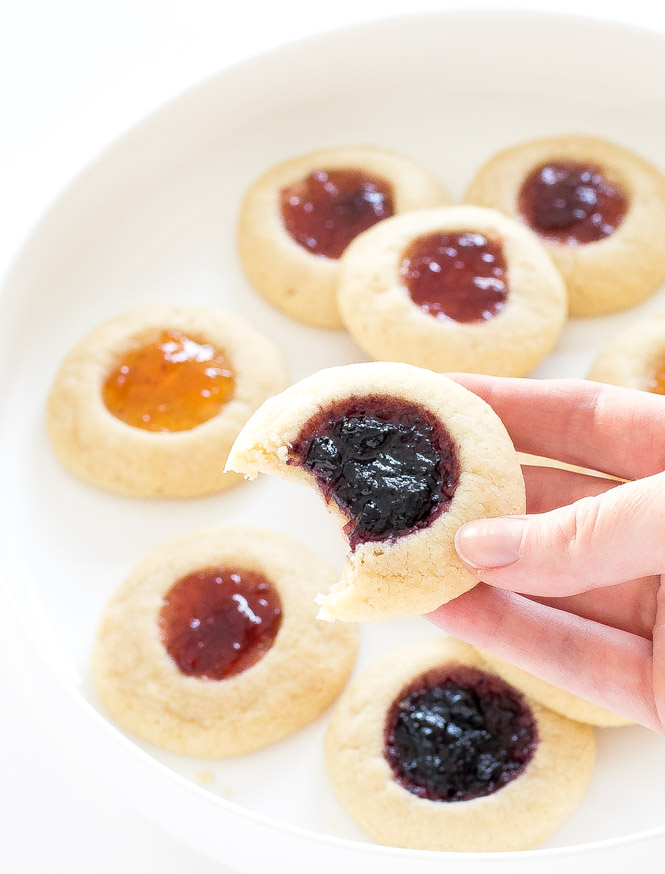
657 381
172 384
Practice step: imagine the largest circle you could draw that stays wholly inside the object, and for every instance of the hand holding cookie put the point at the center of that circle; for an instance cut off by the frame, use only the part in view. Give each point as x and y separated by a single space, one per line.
572 593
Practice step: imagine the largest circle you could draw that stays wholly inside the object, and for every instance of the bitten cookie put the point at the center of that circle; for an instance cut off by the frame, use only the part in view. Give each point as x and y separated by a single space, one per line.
403 457
597 206
149 403
211 647
454 288
634 358
297 219
557 699
429 750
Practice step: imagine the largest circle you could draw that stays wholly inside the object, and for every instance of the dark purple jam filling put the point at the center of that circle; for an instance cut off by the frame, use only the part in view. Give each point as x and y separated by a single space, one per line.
571 203
325 211
390 466
459 275
457 733
218 622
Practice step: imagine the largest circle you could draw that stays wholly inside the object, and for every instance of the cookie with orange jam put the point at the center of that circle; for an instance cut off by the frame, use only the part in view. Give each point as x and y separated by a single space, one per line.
596 206
211 647
635 357
299 217
457 288
433 750
149 403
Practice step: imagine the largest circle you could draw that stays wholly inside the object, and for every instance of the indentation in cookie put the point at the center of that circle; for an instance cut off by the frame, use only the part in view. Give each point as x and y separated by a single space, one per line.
389 465
457 733
571 203
325 210
459 275
217 622
171 384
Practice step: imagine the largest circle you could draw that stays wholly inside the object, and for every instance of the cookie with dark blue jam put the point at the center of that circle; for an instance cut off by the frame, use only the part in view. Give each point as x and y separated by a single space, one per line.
389 465
458 733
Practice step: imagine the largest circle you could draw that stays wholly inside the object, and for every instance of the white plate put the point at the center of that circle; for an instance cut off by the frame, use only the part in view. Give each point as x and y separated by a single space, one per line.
154 221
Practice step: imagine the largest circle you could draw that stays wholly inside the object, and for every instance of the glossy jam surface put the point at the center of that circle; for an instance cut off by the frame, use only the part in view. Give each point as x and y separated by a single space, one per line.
458 733
218 622
388 465
325 211
459 275
173 384
571 203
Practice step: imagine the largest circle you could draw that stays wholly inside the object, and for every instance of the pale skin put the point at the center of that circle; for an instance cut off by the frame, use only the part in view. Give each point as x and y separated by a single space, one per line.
572 592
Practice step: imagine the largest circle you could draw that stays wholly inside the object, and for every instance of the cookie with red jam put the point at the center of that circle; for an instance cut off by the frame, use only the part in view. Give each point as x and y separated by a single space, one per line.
635 357
149 403
597 207
429 749
457 288
403 457
299 217
211 647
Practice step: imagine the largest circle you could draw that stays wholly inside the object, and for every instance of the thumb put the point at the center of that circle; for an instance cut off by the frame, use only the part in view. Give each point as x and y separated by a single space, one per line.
597 541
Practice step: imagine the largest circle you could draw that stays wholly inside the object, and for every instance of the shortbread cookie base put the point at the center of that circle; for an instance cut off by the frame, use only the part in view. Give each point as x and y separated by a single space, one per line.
614 273
300 284
419 571
101 449
516 817
632 358
385 322
304 670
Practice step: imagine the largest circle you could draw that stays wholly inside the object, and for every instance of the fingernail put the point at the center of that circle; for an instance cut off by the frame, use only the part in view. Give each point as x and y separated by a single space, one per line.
490 543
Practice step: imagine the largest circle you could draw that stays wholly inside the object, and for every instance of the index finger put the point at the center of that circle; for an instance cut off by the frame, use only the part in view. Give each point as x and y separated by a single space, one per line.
618 431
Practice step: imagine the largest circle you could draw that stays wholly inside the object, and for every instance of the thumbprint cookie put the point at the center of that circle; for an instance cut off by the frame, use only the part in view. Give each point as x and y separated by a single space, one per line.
211 646
428 749
634 358
149 403
403 457
598 208
299 217
454 288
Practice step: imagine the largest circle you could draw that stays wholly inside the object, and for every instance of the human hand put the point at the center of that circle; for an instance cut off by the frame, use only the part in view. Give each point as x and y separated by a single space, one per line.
572 592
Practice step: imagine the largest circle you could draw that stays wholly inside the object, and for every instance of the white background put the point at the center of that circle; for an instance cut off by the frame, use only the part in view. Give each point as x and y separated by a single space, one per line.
73 76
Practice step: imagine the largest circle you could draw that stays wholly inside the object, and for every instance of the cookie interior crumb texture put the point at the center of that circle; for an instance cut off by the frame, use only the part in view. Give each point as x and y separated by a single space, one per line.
417 570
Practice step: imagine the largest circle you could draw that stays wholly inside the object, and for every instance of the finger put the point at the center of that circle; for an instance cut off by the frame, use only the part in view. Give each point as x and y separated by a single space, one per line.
629 606
597 541
616 430
548 487
659 655
604 665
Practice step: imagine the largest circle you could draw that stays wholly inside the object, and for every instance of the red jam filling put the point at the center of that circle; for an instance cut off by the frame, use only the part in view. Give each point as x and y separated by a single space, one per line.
390 466
457 733
325 211
571 204
218 622
172 384
460 275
